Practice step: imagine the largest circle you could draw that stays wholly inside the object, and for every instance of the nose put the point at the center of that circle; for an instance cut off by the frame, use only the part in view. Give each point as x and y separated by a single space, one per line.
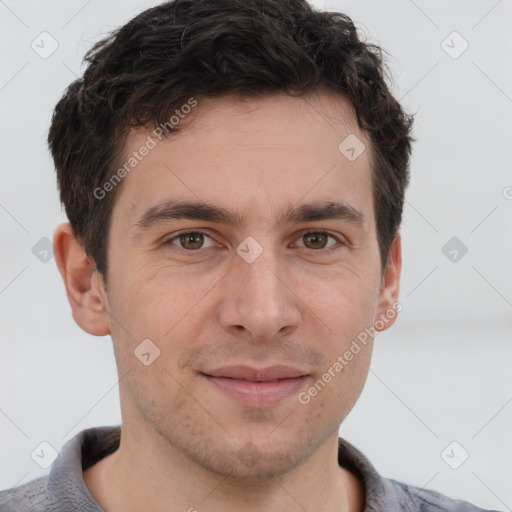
259 297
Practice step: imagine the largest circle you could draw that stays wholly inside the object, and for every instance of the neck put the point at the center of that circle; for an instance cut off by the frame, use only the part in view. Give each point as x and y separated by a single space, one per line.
155 476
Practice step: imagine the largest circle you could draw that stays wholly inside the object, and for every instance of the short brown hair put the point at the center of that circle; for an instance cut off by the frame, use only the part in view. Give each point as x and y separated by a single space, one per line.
145 70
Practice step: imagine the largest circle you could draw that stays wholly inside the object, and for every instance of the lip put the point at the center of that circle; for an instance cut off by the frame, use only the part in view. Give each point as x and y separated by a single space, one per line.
253 387
257 374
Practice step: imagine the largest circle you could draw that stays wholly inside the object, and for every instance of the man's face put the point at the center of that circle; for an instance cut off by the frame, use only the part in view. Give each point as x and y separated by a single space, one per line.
209 304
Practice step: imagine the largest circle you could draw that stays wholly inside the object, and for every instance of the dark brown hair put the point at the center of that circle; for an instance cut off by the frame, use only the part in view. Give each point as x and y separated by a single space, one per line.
142 72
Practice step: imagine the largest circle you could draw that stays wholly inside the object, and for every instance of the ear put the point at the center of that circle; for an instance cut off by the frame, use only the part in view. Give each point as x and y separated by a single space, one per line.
84 285
388 305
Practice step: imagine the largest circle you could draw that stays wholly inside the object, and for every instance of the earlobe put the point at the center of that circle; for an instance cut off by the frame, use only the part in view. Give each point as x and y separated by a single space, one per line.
83 284
388 304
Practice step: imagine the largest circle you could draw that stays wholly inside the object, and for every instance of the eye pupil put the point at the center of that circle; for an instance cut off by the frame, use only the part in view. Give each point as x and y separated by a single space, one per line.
189 237
314 238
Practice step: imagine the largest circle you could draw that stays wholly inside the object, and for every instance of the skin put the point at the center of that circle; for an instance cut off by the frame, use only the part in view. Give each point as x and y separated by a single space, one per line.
182 438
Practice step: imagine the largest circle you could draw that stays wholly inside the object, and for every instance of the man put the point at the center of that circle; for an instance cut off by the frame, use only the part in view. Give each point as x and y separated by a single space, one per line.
233 173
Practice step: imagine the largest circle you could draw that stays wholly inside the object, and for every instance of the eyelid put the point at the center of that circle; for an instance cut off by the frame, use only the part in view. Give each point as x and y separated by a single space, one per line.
303 232
167 241
341 242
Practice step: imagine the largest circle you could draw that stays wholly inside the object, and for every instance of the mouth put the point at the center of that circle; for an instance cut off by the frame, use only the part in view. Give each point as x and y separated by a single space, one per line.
253 387
269 374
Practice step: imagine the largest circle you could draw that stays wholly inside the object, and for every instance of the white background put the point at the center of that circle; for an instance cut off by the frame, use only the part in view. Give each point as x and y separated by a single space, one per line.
442 373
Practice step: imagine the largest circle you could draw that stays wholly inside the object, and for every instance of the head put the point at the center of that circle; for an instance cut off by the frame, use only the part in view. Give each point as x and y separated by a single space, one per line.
277 122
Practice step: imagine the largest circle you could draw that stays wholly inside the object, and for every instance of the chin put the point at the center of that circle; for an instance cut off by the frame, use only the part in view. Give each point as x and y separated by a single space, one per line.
258 460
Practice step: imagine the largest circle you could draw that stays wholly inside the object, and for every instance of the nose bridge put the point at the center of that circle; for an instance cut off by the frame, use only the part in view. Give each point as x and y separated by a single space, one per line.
261 275
258 298
257 271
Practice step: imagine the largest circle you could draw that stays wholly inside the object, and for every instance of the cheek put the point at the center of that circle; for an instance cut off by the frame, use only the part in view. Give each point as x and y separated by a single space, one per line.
344 299
157 299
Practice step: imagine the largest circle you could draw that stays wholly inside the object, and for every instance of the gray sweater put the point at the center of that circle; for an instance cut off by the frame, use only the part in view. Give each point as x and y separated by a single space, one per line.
64 490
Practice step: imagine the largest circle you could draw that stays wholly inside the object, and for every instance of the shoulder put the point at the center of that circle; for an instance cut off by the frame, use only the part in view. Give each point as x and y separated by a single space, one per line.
416 499
388 494
31 497
63 488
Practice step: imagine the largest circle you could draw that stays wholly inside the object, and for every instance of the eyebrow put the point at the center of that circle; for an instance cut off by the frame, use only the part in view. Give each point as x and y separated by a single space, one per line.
173 210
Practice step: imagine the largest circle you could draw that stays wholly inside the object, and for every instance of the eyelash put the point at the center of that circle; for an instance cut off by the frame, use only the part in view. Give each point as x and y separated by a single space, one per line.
322 232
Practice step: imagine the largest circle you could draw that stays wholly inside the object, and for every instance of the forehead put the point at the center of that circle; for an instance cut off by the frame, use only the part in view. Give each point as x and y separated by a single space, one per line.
234 152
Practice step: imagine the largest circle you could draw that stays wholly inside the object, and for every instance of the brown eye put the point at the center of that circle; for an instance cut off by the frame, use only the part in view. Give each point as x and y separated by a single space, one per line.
319 240
189 240
315 240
